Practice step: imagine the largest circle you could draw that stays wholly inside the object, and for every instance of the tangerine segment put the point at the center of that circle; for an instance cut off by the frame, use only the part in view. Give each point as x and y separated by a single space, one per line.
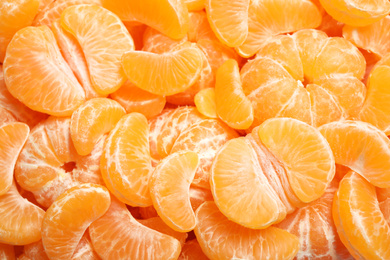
126 162
163 74
7 252
267 18
170 187
192 251
304 153
117 235
43 81
92 120
240 188
359 220
221 238
233 107
362 147
69 216
15 15
20 220
205 102
104 39
356 12
153 13
228 20
12 138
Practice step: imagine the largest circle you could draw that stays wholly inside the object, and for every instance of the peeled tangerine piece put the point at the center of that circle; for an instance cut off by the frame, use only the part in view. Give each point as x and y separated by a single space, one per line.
233 107
170 190
20 220
356 12
362 147
118 235
164 74
221 238
228 20
205 102
92 120
104 39
360 223
43 81
12 138
70 215
126 161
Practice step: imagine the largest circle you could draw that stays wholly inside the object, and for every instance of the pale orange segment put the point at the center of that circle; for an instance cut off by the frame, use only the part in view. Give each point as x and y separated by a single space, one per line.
69 216
104 39
228 20
6 117
20 220
362 147
359 220
43 81
126 162
117 235
12 138
304 153
153 14
163 74
92 120
357 12
233 107
221 238
15 15
205 102
169 188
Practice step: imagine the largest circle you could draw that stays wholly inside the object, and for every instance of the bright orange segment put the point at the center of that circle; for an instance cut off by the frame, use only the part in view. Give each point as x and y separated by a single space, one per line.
104 39
12 138
126 162
92 120
163 74
169 188
221 238
43 81
69 216
205 102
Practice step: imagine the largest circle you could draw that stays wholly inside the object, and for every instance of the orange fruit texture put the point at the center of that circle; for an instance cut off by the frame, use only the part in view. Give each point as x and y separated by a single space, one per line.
7 252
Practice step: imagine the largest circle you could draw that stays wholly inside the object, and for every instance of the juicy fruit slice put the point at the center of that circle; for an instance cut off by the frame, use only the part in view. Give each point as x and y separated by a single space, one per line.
304 153
126 162
169 188
356 12
222 239
117 235
12 138
362 147
229 20
163 74
15 15
205 102
43 81
359 220
20 220
69 216
152 13
92 120
104 39
233 107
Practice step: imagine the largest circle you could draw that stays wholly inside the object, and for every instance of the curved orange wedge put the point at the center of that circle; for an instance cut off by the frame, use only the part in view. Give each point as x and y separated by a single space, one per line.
170 189
205 102
164 74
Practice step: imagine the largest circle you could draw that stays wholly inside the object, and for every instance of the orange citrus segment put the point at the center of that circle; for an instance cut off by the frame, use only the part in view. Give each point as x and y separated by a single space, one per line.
362 147
221 238
304 153
192 251
163 74
233 107
104 39
205 102
153 13
169 188
92 120
12 138
126 162
228 20
7 252
43 81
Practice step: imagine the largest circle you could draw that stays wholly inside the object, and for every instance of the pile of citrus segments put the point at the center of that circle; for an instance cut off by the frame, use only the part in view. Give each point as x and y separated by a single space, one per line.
194 129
